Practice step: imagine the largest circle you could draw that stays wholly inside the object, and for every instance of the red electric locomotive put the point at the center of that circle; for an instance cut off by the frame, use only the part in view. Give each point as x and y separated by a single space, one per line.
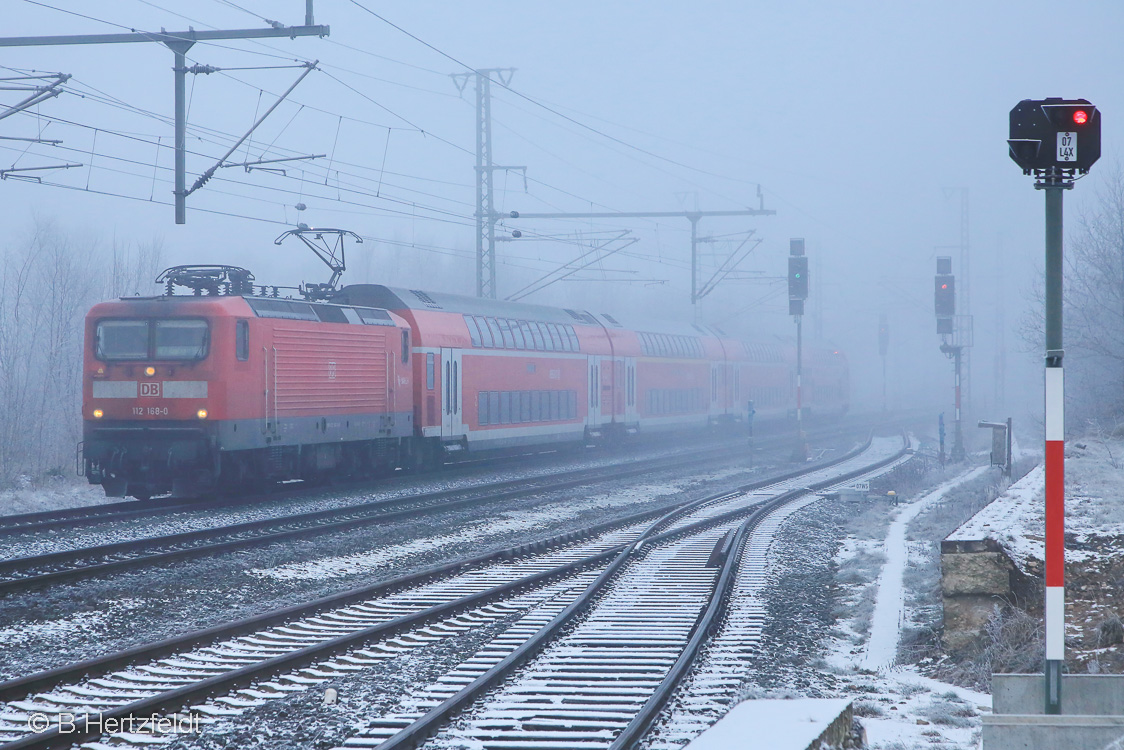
182 391
226 388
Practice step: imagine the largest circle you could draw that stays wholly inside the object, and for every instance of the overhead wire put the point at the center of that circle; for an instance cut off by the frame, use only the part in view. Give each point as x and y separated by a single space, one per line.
327 172
353 89
550 109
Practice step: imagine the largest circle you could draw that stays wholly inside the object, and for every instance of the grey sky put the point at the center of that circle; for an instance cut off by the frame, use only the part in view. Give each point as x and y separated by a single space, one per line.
852 117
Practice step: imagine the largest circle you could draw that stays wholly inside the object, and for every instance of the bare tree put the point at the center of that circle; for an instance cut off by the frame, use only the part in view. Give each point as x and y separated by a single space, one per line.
1094 307
50 279
1094 302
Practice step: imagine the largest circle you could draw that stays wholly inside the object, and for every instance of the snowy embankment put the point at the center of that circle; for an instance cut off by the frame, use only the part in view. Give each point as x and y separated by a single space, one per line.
51 495
1094 546
901 707
1015 520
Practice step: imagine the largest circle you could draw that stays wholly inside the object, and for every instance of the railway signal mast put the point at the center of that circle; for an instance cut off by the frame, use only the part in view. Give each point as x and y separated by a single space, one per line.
883 350
1054 140
955 338
797 294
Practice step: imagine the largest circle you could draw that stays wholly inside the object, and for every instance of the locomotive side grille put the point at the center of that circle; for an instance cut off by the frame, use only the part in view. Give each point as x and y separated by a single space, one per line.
328 370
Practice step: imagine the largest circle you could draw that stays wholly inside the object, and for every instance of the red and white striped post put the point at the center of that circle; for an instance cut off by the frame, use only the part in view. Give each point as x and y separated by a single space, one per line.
1053 184
1054 139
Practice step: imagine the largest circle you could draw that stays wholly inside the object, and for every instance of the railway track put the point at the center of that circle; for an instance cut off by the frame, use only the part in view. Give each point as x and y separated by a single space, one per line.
22 573
351 631
53 520
598 674
30 572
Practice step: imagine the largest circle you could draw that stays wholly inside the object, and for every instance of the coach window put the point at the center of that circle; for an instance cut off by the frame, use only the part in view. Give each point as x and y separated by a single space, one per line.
505 331
405 346
497 335
456 391
448 393
242 340
473 331
429 371
574 346
543 336
485 333
528 338
555 337
482 416
517 331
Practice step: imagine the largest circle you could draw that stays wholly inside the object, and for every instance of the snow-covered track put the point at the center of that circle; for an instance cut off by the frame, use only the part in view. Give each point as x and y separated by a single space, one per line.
56 567
597 672
190 669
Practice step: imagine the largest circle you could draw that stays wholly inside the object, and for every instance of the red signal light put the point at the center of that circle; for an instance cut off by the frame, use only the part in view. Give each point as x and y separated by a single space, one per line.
944 286
1080 117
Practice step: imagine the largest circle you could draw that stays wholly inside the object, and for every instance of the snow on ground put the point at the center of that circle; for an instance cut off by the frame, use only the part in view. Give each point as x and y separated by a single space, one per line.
776 724
1015 519
514 520
52 494
889 609
66 627
901 708
1093 505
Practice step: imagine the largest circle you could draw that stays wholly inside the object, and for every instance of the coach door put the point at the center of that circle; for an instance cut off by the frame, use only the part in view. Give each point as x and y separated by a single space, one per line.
630 413
452 406
593 376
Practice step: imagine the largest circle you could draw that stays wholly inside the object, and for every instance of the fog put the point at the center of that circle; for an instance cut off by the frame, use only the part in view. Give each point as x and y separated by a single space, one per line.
860 126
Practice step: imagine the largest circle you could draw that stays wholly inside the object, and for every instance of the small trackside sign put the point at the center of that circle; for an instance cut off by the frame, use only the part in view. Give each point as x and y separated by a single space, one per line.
1067 146
151 389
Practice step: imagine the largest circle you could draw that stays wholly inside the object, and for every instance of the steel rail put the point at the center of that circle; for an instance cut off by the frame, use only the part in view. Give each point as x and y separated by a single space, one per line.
350 517
22 686
428 725
31 523
631 735
237 678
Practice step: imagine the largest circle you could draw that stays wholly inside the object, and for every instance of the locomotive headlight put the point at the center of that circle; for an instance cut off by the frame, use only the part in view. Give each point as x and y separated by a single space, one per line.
150 371
202 413
98 413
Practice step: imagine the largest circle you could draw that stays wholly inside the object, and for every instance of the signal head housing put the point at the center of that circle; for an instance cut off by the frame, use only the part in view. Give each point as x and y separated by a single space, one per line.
1055 133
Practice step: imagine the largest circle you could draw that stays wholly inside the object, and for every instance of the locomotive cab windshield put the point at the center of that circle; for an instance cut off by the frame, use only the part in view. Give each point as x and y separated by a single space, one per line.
159 339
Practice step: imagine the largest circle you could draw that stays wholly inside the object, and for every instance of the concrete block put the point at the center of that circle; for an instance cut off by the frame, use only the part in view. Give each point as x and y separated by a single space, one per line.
1051 732
1082 694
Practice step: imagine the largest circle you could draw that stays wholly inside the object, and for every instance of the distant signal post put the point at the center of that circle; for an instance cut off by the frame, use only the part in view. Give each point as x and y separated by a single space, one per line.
1054 140
797 294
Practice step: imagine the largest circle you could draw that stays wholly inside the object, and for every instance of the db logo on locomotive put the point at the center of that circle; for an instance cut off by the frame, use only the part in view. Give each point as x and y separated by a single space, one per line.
150 389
